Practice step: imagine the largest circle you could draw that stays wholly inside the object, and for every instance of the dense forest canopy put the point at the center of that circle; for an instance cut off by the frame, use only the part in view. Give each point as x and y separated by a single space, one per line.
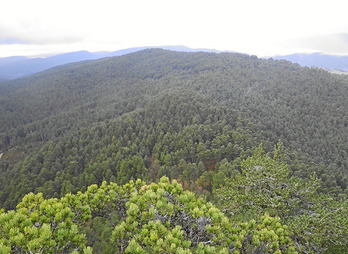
198 118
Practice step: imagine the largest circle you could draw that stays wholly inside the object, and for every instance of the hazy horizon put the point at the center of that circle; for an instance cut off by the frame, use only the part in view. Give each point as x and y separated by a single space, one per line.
262 28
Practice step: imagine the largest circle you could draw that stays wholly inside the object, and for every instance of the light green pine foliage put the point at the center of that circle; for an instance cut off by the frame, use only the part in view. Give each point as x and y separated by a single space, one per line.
156 218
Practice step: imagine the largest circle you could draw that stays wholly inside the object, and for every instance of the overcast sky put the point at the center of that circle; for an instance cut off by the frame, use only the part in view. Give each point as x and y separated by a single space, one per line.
259 27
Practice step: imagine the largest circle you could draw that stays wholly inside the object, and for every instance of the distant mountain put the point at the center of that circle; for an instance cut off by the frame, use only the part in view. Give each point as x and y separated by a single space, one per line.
12 59
17 67
20 66
328 62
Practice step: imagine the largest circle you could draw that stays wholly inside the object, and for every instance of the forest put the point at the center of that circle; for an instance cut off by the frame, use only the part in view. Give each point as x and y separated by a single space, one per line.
170 152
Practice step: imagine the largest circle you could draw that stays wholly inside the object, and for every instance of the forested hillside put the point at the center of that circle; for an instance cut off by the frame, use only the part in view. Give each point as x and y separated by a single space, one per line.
198 118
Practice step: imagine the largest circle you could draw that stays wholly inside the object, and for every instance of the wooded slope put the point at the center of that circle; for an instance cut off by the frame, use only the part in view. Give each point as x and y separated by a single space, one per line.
59 124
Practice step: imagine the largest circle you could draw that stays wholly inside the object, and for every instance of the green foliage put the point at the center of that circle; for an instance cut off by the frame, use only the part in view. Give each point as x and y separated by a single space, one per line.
265 186
44 226
156 218
133 147
163 218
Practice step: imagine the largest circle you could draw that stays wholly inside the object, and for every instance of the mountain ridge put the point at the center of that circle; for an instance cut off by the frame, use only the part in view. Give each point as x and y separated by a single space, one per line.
264 91
21 66
320 60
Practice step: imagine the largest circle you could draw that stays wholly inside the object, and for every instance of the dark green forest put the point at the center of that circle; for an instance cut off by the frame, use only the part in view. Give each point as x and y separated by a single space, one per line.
235 154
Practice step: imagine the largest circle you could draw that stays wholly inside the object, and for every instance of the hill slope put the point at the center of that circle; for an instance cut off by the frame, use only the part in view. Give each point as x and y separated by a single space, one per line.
157 112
